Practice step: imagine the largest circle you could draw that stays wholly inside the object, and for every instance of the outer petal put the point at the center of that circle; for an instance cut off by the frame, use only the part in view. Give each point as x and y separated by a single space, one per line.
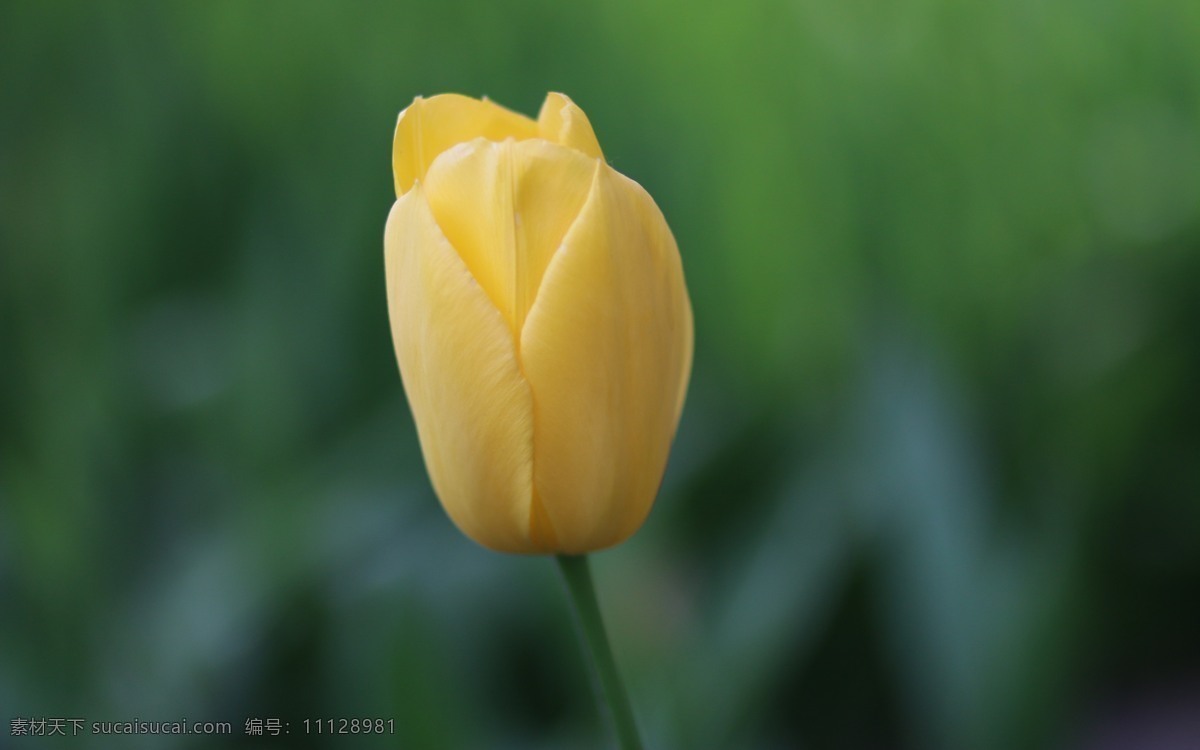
505 207
607 350
430 126
562 122
470 403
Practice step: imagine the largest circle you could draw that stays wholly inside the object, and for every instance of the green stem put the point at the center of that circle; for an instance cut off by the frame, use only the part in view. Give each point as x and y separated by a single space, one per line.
614 701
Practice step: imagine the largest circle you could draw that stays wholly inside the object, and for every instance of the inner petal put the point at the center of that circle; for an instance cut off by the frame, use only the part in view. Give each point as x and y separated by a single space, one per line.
506 207
562 122
430 126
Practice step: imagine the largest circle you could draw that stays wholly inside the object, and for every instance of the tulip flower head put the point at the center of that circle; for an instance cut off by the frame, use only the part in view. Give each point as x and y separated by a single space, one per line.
541 324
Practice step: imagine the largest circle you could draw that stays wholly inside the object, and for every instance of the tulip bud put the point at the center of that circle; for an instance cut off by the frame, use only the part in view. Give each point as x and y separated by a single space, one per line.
541 323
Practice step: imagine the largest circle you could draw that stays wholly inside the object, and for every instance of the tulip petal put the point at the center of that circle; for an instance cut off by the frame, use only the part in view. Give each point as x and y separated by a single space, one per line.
562 121
471 405
689 336
606 350
505 207
430 126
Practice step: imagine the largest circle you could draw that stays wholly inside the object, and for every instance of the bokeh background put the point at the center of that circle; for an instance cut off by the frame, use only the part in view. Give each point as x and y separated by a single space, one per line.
937 485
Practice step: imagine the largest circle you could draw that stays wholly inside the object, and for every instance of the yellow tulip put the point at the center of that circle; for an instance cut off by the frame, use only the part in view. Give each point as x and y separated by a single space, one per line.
541 323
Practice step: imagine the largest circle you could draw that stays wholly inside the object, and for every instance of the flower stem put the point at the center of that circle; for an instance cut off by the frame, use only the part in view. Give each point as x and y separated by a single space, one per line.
614 701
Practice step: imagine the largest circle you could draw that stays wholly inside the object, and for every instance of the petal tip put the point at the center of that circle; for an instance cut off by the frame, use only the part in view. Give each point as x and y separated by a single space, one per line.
562 121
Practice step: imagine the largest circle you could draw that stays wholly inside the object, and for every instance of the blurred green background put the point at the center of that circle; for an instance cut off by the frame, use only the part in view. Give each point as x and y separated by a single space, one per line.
937 484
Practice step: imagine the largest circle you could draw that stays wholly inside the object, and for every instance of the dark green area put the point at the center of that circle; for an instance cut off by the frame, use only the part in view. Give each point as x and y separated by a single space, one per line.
937 485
